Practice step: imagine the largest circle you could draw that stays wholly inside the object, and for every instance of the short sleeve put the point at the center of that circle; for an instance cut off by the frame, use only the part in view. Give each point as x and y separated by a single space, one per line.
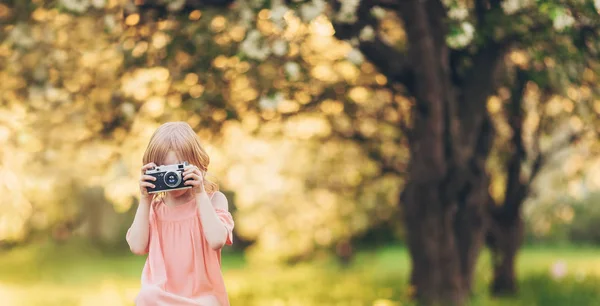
227 220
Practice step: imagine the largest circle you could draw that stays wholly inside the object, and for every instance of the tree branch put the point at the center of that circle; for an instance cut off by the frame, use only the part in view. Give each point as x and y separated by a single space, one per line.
390 61
516 189
479 84
542 158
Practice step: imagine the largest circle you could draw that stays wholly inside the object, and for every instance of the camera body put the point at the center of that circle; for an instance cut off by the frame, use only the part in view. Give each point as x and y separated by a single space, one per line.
168 178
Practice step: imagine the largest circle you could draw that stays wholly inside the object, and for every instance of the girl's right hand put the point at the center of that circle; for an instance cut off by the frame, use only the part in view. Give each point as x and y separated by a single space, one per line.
145 181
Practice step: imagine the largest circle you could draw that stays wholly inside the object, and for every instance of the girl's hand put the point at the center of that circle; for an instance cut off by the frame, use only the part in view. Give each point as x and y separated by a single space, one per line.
145 182
194 177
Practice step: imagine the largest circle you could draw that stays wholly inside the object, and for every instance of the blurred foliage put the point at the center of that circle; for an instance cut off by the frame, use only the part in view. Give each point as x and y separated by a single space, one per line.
299 124
88 83
566 220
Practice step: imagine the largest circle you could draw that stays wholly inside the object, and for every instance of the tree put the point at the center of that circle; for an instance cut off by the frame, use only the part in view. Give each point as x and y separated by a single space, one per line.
562 110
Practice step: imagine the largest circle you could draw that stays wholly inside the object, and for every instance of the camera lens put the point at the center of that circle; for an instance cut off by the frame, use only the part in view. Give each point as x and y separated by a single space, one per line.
172 179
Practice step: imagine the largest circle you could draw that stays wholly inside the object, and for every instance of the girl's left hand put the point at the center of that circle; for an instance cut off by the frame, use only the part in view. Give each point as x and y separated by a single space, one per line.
194 177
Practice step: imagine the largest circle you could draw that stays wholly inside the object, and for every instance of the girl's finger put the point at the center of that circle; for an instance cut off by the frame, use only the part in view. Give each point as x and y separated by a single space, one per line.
148 178
192 176
191 182
148 166
146 184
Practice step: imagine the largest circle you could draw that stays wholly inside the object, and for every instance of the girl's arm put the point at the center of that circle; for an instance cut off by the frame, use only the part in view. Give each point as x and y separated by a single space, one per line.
214 230
139 232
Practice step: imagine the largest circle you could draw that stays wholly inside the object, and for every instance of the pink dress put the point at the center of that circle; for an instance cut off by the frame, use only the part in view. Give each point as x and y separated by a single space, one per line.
181 268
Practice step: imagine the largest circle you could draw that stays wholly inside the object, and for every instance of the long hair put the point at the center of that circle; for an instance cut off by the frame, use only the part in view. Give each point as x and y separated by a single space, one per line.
180 138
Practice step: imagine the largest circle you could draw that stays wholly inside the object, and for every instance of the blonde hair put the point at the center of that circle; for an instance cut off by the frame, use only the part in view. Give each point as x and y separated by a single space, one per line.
180 138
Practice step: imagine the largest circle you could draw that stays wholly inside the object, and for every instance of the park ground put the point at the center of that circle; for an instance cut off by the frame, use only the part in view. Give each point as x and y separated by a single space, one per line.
67 275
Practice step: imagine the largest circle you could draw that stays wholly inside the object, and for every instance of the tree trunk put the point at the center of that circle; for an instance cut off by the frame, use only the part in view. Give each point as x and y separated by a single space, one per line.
504 240
505 233
445 220
445 195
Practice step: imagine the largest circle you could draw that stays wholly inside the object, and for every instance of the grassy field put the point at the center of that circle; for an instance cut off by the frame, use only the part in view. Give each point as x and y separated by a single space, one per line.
72 275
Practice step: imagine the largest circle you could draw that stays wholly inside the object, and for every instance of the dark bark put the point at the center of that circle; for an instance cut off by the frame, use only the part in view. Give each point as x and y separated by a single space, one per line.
388 59
446 190
505 234
506 237
506 228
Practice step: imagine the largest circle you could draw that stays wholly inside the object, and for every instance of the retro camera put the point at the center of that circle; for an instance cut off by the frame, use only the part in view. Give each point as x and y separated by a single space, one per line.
168 177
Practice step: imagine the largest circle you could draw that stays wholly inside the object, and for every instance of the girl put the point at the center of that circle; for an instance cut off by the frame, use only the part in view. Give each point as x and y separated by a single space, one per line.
182 231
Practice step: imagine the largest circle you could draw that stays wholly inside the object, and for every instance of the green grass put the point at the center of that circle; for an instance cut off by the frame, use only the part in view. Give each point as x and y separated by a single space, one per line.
77 275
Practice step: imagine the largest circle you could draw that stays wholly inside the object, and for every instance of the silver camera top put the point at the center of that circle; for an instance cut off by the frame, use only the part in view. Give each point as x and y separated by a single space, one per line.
167 168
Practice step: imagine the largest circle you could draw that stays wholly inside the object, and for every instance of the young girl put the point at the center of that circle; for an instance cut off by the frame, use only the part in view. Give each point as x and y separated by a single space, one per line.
182 231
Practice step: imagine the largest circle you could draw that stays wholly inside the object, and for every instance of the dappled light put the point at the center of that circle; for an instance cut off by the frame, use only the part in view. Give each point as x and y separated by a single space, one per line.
376 153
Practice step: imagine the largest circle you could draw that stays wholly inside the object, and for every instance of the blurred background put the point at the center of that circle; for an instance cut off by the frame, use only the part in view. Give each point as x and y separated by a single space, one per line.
307 115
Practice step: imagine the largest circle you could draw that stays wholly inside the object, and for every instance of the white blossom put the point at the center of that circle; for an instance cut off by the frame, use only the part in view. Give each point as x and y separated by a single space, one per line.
253 46
464 38
378 12
280 47
312 10
292 70
98 3
128 109
277 12
110 22
355 56
458 13
175 5
597 5
59 56
367 33
54 94
512 6
21 37
270 102
78 6
347 13
468 29
563 21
